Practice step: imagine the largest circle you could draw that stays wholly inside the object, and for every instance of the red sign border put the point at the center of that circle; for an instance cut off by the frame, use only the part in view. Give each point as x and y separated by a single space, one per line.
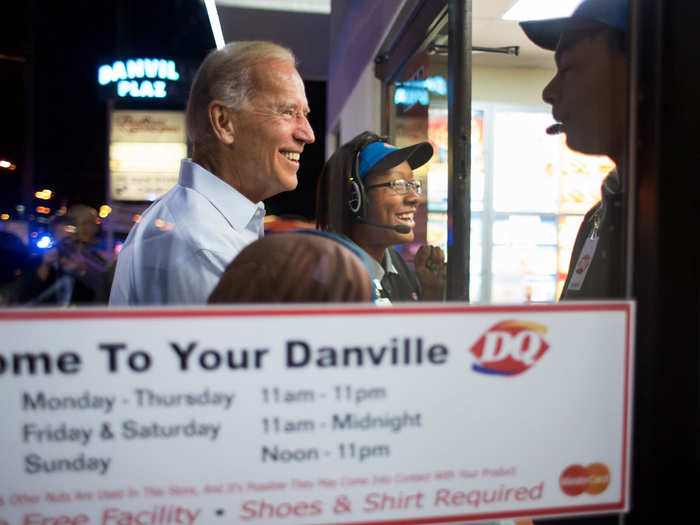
627 307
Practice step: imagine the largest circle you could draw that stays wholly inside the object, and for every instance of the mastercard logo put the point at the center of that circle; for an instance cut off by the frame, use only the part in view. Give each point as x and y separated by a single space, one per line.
577 479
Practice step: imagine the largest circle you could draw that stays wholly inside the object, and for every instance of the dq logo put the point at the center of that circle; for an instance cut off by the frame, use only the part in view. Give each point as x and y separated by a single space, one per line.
577 479
509 348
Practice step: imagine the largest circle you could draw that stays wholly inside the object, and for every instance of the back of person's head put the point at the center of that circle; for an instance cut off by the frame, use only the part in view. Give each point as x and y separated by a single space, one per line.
333 192
295 267
226 74
13 256
84 218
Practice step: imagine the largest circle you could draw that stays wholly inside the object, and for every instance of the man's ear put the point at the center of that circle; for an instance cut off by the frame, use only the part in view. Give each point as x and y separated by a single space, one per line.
221 121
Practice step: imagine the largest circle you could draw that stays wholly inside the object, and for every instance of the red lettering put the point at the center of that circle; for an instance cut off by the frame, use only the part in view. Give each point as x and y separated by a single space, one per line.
261 509
521 493
37 519
315 508
459 498
19 499
370 504
441 497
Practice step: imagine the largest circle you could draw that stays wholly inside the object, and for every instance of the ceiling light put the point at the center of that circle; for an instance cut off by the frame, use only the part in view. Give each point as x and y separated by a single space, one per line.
540 9
215 23
302 6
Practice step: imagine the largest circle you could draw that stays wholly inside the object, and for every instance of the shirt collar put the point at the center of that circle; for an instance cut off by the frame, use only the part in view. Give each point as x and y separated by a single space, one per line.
388 263
235 208
611 184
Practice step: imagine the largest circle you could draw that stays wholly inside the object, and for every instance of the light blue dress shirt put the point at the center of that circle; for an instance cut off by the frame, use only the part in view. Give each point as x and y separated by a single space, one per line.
179 249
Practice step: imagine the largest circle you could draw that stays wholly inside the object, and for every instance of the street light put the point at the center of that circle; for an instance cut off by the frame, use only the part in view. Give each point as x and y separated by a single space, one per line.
43 194
6 164
105 210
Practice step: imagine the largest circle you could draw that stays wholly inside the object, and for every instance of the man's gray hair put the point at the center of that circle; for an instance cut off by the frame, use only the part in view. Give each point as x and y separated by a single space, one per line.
225 74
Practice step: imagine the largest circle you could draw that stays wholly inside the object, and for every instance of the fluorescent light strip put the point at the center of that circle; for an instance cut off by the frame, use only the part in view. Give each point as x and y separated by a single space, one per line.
300 6
215 23
540 9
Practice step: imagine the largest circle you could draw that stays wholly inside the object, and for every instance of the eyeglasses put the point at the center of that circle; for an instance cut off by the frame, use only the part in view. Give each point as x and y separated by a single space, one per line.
400 186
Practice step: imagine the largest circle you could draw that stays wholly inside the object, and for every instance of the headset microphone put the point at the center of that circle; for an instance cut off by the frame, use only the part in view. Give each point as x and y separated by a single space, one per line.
399 228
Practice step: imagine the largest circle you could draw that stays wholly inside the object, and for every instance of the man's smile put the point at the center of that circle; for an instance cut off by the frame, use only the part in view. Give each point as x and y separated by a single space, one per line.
291 155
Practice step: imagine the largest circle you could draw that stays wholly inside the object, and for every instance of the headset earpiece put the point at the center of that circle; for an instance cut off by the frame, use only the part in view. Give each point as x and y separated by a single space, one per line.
356 190
355 201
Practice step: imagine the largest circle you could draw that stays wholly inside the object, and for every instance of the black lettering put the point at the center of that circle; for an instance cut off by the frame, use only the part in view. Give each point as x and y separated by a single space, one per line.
112 349
141 356
342 423
213 363
437 354
327 357
183 354
259 354
68 363
294 360
31 361
348 351
378 357
29 403
242 362
32 463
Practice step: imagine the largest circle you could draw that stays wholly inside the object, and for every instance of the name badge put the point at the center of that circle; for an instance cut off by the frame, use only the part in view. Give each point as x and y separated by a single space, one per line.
584 262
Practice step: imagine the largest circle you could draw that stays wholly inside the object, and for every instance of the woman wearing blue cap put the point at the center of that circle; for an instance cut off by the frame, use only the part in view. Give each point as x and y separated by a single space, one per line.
368 193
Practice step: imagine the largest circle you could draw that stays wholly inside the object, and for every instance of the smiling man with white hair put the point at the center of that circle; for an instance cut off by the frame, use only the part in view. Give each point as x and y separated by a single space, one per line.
247 120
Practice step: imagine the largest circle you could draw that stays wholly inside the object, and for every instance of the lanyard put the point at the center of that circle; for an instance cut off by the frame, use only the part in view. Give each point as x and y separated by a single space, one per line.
585 258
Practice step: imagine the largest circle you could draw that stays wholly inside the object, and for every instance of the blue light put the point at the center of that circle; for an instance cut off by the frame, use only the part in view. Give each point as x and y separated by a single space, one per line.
146 89
104 75
44 242
410 96
139 77
135 68
138 68
437 85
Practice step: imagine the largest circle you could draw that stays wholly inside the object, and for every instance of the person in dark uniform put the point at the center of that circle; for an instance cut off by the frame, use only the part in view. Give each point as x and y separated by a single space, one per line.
367 192
588 95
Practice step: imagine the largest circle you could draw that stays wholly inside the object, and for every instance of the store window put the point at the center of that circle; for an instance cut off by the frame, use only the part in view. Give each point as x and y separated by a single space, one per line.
529 190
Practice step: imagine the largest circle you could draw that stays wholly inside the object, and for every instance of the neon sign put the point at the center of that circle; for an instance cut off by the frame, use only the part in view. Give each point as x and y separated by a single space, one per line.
139 77
411 96
413 92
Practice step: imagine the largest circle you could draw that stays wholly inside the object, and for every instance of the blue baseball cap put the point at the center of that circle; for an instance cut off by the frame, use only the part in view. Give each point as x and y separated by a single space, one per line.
380 156
546 33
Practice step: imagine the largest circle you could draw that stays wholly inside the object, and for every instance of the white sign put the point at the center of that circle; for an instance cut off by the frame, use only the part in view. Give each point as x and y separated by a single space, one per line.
314 415
145 151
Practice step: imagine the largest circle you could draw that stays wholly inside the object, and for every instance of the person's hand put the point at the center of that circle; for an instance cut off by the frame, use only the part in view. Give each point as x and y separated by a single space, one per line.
431 271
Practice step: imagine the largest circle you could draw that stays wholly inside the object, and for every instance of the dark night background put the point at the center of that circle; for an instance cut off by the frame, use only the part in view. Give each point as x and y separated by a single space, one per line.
53 121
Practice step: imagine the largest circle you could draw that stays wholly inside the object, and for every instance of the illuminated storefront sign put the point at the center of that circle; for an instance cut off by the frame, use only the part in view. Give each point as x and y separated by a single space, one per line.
144 153
139 77
418 91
